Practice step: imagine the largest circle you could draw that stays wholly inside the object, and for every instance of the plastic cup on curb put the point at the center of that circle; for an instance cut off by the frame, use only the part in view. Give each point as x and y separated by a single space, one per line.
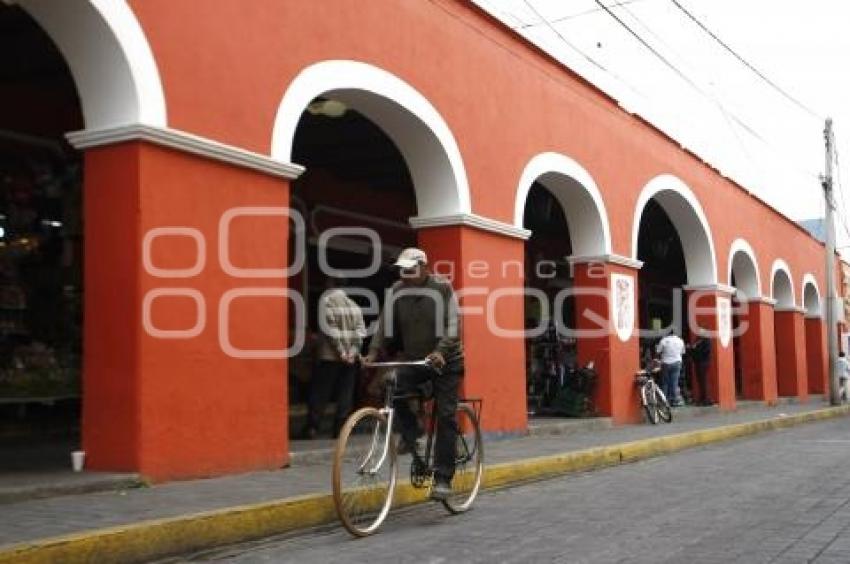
78 458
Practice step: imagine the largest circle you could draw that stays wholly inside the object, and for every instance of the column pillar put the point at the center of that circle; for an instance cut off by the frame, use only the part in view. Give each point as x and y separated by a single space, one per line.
791 377
758 352
487 271
607 331
816 355
185 327
710 315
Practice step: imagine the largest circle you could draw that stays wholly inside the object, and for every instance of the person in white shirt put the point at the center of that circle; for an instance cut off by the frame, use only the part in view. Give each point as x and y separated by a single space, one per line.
843 369
670 349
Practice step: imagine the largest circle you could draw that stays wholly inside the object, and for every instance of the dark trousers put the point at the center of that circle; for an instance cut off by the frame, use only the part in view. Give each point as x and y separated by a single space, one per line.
331 375
701 368
419 380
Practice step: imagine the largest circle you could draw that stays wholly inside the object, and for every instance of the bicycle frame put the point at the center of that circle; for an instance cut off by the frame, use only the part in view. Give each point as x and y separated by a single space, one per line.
422 464
389 410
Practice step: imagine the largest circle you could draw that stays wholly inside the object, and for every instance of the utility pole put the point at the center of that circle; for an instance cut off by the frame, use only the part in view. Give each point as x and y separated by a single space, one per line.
831 322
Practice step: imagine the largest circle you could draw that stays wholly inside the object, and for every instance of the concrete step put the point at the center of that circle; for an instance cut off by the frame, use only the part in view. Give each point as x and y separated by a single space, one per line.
15 487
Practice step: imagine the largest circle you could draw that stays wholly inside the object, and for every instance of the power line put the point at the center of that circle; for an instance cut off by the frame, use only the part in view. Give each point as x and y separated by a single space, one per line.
573 16
844 215
552 28
714 98
572 46
752 131
761 75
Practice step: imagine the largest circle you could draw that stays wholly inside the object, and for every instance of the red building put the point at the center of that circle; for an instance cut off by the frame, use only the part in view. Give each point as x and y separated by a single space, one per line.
199 122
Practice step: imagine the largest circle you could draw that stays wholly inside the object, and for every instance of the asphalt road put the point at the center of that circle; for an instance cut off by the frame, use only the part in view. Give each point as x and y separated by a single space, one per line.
779 497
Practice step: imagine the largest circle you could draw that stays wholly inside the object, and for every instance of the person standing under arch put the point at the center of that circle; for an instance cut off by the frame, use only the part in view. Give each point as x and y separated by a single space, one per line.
670 350
342 332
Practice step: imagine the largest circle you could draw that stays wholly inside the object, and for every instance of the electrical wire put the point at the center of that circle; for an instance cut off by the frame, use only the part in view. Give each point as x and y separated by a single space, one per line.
573 16
557 78
572 46
560 36
758 73
714 98
749 129
844 215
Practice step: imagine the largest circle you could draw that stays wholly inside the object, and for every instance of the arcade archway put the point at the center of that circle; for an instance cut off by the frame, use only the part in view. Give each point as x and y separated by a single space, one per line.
559 203
672 238
377 154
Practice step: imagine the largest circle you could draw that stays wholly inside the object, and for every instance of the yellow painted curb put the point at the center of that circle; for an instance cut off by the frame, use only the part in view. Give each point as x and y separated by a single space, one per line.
159 538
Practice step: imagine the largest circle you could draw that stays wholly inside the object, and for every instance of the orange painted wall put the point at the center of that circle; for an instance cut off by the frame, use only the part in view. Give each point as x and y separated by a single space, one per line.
495 364
616 361
475 72
758 353
816 356
201 408
179 408
790 354
111 377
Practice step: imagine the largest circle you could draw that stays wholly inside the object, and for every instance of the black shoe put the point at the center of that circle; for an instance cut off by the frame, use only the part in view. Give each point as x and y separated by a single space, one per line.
441 490
309 433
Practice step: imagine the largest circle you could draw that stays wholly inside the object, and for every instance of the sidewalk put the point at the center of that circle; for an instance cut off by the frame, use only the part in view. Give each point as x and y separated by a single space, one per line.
38 519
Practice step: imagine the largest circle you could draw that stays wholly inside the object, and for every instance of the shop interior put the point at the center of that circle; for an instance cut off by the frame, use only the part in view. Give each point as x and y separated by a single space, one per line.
41 250
554 386
355 177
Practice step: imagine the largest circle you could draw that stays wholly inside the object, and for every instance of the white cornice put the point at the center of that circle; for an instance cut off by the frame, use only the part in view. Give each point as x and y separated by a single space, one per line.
791 309
719 288
187 142
471 220
762 300
814 316
608 259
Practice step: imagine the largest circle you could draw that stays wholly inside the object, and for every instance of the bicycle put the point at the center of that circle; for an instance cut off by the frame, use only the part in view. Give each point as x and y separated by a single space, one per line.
652 399
366 456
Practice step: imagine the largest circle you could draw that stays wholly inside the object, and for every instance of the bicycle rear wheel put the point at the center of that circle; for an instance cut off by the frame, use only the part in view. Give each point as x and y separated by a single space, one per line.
469 462
663 406
649 399
364 472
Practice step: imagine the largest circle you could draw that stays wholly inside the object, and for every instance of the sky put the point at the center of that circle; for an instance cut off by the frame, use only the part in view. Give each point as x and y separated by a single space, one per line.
721 110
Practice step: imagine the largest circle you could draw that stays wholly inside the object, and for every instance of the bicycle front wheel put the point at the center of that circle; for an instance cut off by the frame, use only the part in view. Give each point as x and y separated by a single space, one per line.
663 406
364 472
469 461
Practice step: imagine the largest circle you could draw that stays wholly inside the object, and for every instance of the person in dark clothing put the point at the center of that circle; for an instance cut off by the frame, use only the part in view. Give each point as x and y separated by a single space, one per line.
421 319
701 355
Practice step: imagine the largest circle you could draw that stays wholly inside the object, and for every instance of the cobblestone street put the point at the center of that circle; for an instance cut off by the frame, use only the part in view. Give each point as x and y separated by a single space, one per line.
779 497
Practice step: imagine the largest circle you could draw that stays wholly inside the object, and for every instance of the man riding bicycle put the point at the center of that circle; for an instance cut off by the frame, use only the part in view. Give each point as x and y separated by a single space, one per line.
420 320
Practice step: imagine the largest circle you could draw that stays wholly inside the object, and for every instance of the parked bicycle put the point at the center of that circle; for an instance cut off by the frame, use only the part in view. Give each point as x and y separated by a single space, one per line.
652 399
365 464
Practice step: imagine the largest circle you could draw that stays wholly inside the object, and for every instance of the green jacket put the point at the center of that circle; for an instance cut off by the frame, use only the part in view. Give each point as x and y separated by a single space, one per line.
420 320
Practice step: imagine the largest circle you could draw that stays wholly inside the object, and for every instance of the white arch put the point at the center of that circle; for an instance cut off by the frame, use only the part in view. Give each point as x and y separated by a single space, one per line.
578 195
110 59
742 261
784 294
811 299
686 213
405 115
